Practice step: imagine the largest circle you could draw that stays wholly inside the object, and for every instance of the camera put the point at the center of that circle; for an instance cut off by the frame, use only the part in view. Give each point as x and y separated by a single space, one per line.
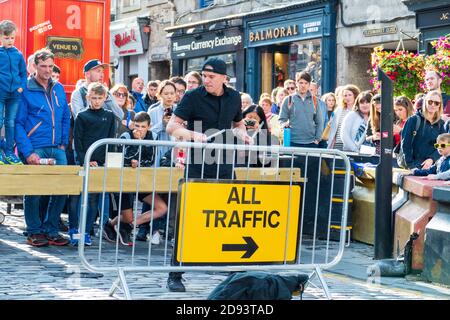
249 122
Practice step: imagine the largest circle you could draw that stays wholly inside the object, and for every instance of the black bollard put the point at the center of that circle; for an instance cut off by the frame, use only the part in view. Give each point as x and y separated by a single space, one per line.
383 179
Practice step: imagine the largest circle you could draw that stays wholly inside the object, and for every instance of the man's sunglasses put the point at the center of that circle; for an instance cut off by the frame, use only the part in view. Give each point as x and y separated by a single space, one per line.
441 145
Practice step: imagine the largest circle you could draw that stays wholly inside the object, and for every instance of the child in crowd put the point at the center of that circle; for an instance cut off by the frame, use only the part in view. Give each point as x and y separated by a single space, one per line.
91 125
13 79
136 156
441 169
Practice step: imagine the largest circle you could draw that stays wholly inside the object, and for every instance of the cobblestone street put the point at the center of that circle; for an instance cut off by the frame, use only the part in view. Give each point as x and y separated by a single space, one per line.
55 273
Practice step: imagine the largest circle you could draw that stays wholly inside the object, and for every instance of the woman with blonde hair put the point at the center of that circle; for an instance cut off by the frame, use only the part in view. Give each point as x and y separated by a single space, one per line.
420 132
349 94
330 101
121 96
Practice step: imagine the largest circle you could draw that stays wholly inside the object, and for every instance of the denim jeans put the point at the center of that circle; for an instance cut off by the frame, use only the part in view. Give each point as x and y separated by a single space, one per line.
9 105
55 206
94 204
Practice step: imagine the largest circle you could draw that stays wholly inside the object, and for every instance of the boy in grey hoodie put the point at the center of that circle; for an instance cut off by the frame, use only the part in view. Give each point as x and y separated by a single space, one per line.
300 112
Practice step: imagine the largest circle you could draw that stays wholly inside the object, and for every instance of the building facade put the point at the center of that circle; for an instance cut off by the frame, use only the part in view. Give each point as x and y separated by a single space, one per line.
281 42
432 19
139 46
362 26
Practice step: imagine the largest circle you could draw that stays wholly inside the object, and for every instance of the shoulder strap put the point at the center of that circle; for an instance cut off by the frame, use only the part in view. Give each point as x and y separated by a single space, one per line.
290 103
314 98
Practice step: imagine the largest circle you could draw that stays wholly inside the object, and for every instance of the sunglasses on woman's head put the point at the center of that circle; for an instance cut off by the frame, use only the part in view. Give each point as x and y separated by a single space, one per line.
441 145
436 103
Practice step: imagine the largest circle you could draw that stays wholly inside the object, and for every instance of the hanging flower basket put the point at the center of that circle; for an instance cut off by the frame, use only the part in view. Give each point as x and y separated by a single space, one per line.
403 67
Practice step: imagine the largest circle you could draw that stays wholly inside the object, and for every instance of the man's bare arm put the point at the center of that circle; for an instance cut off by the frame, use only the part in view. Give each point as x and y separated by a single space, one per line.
176 129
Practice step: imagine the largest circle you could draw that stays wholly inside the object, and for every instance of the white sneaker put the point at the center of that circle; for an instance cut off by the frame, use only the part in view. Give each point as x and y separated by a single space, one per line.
156 238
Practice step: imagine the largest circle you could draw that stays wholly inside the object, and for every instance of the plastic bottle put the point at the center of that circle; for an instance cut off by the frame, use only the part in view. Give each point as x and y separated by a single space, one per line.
287 137
47 161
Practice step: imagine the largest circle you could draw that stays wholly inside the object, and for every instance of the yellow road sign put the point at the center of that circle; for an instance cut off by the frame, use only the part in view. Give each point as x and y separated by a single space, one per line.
237 222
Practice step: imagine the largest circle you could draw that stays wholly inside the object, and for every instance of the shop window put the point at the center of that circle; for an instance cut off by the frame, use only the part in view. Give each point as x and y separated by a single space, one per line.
205 3
306 56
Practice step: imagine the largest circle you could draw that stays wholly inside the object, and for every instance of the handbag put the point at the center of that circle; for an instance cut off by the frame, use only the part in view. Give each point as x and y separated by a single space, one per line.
327 130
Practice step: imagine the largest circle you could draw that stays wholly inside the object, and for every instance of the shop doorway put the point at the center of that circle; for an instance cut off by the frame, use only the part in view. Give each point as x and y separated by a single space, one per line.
274 67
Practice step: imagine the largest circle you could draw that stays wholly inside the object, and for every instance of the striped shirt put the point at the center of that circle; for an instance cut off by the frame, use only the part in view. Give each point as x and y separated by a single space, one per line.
339 143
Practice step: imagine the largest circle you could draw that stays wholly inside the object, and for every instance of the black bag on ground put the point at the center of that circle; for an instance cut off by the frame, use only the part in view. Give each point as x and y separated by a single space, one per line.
256 285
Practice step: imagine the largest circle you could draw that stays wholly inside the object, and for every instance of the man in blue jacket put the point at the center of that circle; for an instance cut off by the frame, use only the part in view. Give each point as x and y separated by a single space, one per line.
42 131
137 87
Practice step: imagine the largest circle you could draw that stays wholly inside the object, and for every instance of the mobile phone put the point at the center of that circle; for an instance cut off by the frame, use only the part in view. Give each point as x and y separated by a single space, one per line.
168 112
250 123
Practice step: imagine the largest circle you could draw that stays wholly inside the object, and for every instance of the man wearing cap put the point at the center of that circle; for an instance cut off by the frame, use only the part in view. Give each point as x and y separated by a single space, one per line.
211 106
94 71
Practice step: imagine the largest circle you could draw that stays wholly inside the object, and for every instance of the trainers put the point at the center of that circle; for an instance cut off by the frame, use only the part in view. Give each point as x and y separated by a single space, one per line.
109 234
57 240
74 236
142 234
174 283
11 158
2 159
37 240
87 240
156 238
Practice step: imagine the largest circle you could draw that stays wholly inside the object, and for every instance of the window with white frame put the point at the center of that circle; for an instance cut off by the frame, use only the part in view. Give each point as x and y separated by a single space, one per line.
129 5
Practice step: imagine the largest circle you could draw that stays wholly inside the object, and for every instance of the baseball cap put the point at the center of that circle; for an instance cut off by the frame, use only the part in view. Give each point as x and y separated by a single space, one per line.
215 65
94 63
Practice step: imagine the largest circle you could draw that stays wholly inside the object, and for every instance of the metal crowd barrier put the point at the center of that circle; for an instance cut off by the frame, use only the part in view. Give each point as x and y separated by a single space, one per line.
254 220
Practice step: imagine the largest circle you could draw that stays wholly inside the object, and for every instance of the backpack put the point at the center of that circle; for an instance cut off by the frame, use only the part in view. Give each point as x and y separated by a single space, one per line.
401 156
259 285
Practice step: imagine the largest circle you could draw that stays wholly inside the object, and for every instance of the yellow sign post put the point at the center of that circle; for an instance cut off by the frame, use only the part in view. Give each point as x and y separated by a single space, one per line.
237 222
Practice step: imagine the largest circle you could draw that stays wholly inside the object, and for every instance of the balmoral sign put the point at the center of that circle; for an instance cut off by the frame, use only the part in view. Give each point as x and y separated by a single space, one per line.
291 30
273 33
126 37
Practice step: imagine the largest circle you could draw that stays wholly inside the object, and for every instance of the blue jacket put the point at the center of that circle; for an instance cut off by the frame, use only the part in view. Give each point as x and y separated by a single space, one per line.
441 168
140 104
43 119
13 70
421 147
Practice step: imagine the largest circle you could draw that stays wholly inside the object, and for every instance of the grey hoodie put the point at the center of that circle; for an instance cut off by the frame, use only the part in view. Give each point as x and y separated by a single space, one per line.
306 121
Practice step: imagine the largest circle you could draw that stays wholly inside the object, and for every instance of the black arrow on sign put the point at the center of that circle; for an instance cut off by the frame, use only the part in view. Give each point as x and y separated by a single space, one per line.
249 247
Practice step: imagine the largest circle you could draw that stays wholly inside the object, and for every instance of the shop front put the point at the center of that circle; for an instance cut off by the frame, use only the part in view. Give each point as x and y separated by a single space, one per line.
432 19
279 43
129 49
192 45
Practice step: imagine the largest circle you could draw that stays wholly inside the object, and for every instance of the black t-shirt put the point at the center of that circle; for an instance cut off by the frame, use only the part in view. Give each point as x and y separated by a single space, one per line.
206 111
214 112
